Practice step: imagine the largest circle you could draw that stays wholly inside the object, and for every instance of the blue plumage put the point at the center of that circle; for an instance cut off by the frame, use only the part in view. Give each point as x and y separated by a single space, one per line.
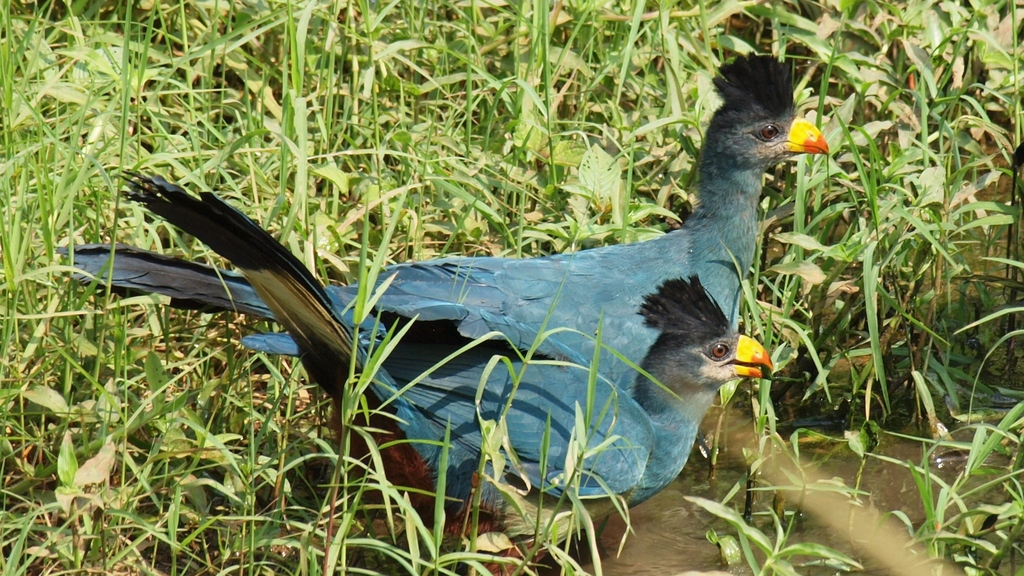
568 426
649 431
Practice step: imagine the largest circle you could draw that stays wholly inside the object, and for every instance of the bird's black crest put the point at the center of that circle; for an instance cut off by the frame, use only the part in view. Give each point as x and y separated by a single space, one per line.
751 82
685 308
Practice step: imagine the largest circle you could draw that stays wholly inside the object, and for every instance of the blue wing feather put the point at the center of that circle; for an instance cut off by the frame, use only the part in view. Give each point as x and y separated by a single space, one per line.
518 301
543 404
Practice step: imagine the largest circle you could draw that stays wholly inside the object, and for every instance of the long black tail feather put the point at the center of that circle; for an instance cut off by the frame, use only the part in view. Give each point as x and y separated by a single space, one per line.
298 300
189 285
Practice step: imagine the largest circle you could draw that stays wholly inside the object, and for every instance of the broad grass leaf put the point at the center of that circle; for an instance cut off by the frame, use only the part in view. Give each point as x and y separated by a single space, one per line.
806 269
802 240
821 551
47 398
494 542
564 57
601 175
67 463
733 518
96 470
337 176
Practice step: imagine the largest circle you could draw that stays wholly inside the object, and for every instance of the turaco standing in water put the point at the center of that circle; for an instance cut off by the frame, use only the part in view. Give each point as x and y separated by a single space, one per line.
631 441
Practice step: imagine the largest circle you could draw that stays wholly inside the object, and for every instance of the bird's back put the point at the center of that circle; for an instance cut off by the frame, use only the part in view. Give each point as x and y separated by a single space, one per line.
564 297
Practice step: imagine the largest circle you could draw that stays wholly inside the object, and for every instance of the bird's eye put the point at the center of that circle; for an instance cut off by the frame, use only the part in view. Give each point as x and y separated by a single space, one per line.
719 351
770 131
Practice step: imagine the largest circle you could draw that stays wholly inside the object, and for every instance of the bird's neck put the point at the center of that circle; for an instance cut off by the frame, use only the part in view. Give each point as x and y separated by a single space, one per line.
725 217
672 410
727 182
675 420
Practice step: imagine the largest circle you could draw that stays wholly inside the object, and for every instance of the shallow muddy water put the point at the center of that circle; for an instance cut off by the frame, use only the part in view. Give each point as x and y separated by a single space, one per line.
669 532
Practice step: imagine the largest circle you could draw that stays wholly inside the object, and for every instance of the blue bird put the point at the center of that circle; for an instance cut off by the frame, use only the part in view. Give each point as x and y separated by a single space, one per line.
566 431
459 299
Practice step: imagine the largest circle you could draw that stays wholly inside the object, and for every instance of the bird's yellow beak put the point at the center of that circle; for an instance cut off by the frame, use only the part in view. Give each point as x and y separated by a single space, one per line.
804 138
751 358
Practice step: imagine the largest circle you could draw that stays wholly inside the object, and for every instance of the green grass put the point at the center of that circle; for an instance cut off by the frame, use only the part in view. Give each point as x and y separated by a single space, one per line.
138 439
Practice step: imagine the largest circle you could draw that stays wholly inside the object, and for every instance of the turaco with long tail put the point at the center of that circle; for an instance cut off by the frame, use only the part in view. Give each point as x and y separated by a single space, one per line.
625 442
459 299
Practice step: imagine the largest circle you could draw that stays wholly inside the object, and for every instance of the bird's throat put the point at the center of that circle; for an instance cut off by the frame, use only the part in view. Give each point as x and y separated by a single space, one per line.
727 194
